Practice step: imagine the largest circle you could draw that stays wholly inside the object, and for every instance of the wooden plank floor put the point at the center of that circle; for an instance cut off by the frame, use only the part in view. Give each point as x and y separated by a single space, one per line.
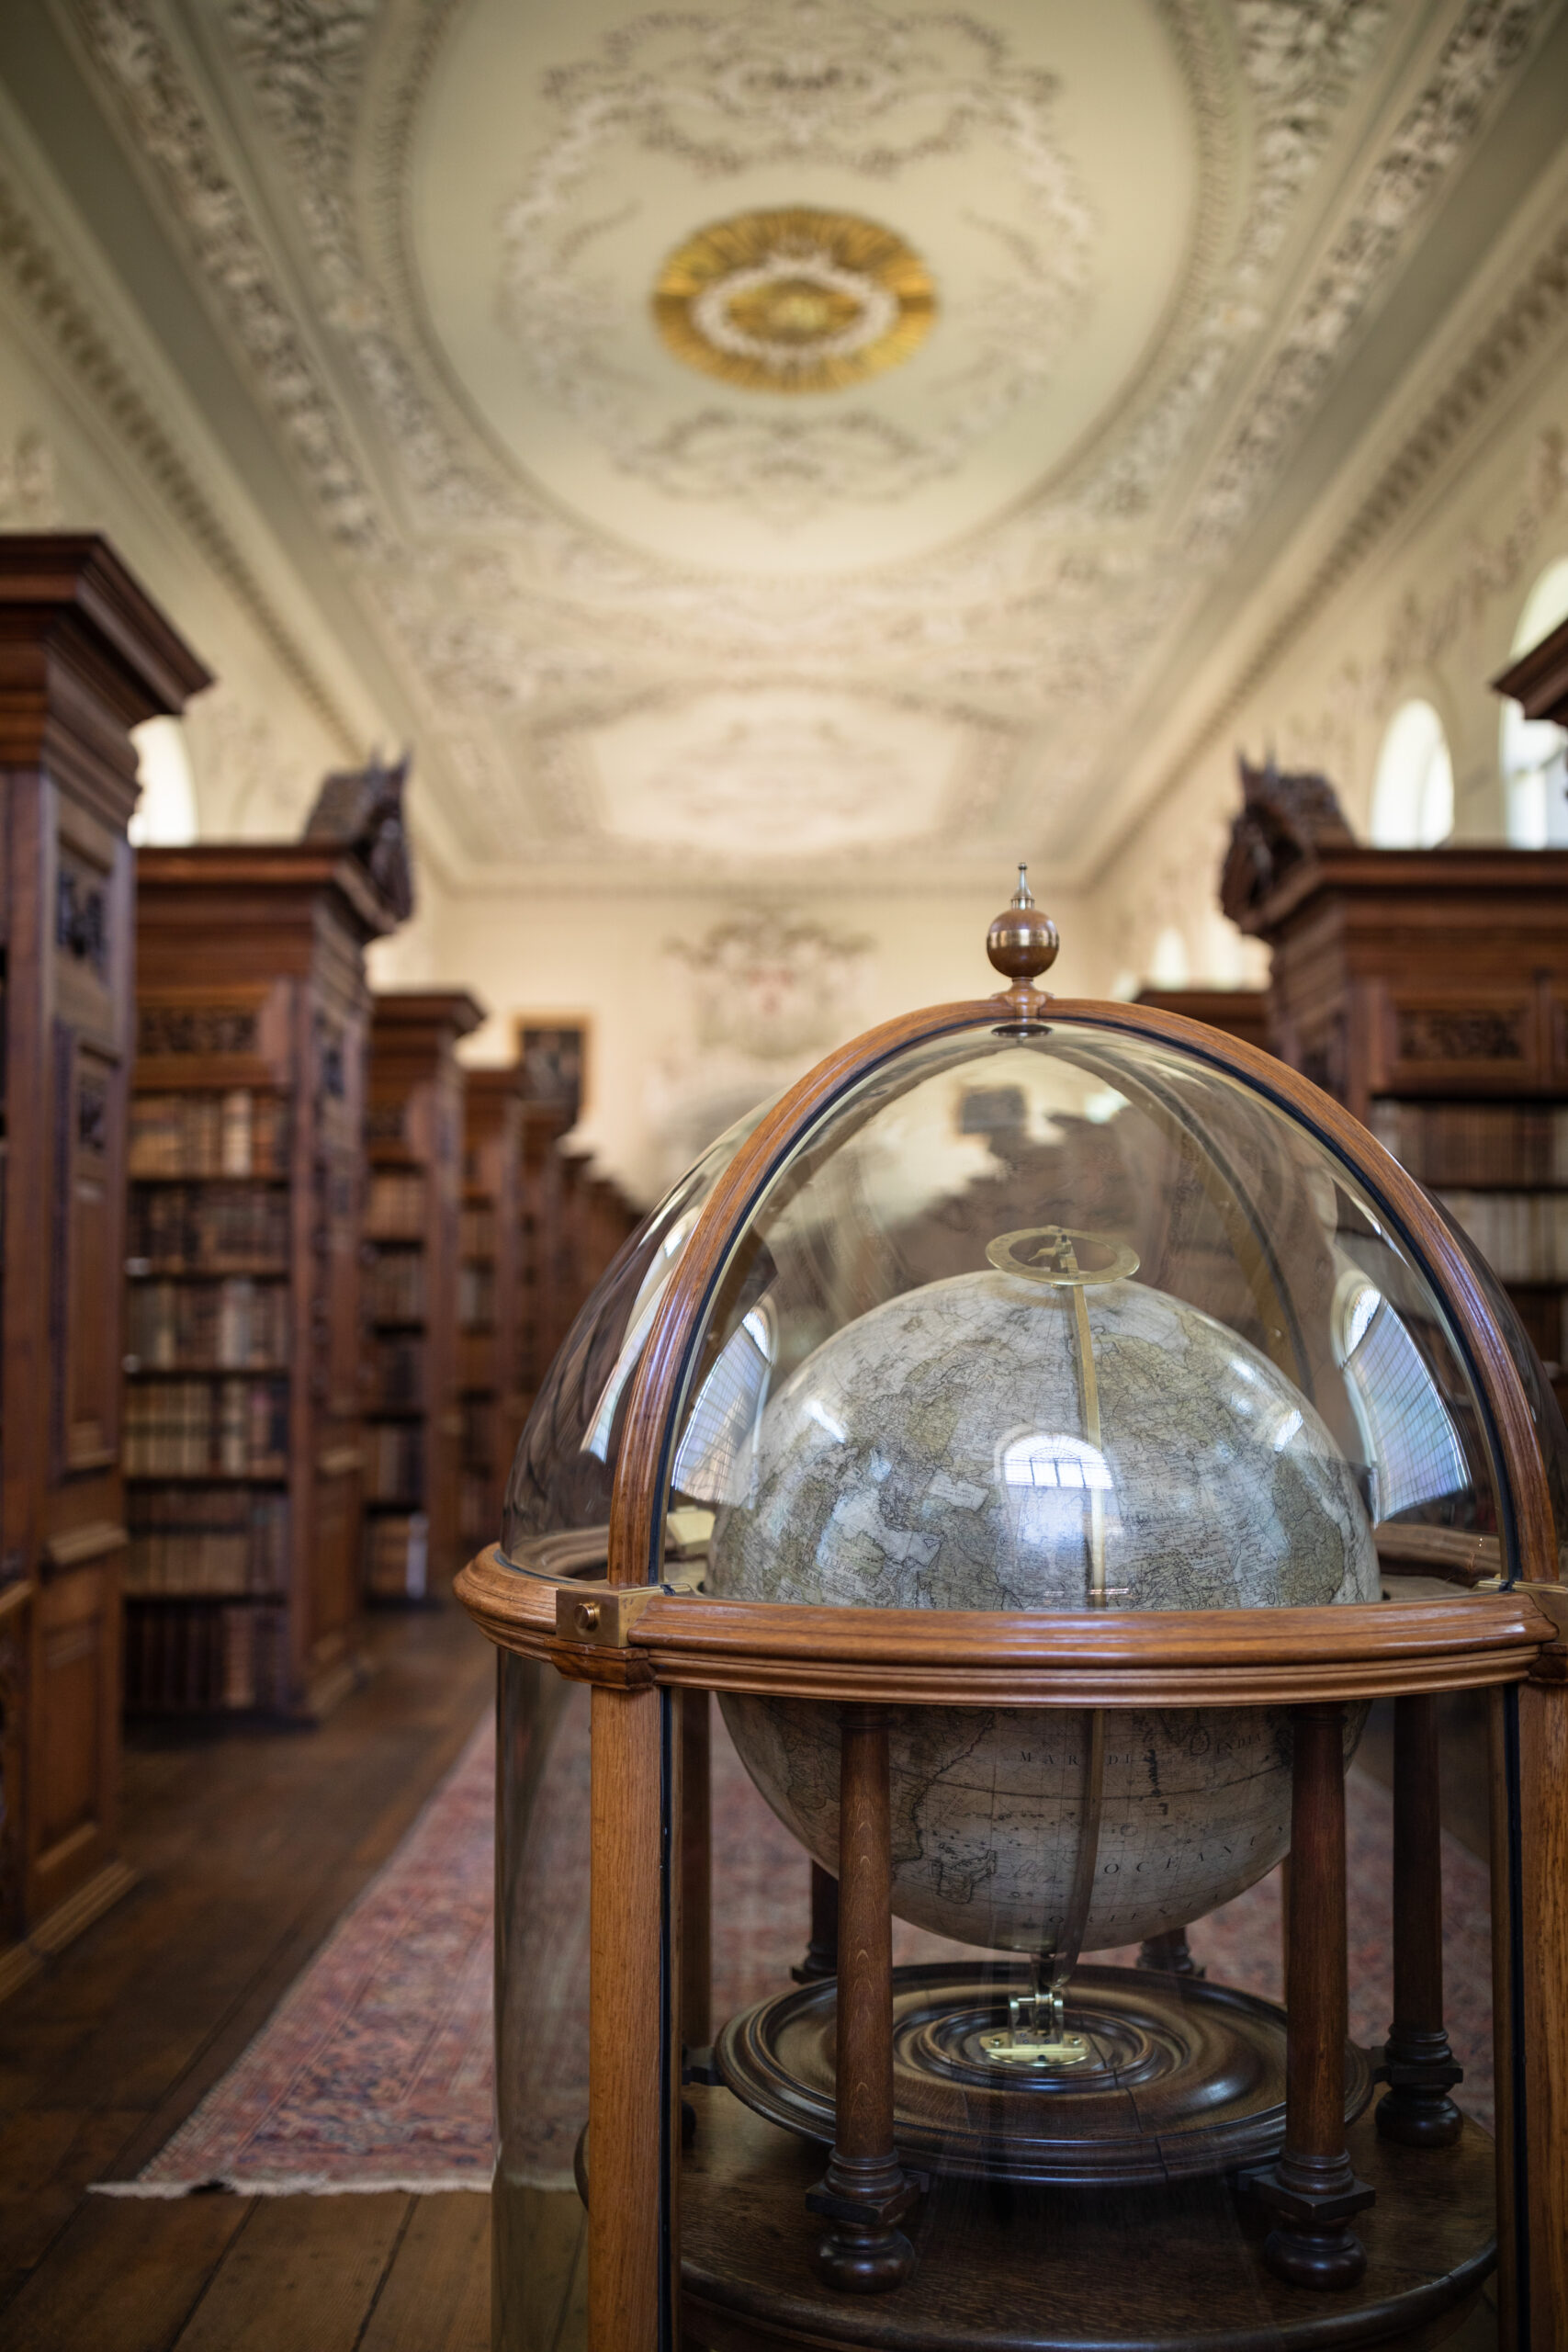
251 1846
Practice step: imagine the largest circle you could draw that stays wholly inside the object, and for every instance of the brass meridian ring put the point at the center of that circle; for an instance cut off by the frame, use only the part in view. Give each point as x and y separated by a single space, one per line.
1063 1257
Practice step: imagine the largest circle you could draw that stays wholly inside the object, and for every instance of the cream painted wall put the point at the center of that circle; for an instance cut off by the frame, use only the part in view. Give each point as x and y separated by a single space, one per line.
610 957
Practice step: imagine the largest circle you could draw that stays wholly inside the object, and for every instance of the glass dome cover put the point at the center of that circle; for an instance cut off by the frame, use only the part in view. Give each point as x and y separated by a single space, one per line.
1109 1215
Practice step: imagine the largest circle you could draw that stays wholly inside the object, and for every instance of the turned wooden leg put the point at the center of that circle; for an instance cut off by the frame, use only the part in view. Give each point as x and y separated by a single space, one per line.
1418 2065
865 2191
822 1952
1312 2189
631 2141
1170 1953
697 1871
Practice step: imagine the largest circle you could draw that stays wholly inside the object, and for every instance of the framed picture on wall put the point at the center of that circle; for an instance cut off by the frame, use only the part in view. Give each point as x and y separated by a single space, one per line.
553 1051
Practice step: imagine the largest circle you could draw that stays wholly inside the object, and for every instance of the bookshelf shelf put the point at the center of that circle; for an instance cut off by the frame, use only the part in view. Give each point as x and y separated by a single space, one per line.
411 1292
248 1127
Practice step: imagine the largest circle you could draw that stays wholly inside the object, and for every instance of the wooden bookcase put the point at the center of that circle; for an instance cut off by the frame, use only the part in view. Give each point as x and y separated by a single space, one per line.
246 1440
544 1255
84 656
1427 989
488 1296
414 1420
1239 1013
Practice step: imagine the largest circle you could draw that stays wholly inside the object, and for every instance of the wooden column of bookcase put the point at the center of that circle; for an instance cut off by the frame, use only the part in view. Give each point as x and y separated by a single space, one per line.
415 1423
540 1270
488 1294
247 1198
84 656
1428 990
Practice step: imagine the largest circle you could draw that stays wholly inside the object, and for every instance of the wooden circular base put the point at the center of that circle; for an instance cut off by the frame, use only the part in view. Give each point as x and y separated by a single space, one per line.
1179 2077
999 2268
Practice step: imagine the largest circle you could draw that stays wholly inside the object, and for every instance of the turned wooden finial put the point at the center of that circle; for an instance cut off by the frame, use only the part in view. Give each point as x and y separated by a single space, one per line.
1021 944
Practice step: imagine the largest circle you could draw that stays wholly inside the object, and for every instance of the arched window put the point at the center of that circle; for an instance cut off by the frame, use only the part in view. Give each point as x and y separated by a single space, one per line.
1169 966
1412 798
165 814
1530 751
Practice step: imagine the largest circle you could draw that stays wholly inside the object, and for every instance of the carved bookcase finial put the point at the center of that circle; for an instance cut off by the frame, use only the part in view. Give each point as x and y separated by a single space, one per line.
1285 821
362 809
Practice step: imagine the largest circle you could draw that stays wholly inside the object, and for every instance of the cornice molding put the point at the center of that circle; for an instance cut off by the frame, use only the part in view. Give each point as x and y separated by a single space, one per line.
1536 309
40 282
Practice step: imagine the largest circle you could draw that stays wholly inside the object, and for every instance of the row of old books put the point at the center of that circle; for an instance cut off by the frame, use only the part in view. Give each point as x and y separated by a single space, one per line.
395 1210
240 1132
476 1296
206 1227
207 1539
476 1231
1523 1236
394 1462
196 1429
397 1372
395 1287
1476 1145
231 1324
198 1657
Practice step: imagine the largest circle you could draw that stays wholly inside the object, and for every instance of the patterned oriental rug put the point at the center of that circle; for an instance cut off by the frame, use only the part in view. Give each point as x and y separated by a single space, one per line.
376 2072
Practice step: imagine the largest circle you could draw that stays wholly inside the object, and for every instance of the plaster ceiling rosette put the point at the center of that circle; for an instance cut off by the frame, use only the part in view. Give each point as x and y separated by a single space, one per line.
620 229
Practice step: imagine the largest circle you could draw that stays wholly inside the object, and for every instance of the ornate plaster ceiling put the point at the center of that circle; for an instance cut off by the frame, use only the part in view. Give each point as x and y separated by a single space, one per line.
653 615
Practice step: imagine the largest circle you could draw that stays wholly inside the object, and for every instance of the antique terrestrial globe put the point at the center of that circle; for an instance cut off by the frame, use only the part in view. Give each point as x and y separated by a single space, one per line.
1015 1323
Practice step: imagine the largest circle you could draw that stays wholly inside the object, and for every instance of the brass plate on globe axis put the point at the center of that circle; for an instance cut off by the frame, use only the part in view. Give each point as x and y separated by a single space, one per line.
1063 1257
1188 2078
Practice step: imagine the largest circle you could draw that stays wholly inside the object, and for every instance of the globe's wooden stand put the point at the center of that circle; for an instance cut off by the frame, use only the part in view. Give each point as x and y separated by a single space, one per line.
1032 2271
719 2238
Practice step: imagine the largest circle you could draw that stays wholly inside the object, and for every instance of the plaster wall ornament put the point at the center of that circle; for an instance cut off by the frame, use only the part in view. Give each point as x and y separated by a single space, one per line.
770 985
757 999
29 500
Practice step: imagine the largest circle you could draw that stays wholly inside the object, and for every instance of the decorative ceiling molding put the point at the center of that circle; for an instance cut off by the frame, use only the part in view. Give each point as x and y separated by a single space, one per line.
171 136
1430 138
1301 61
39 280
1532 314
521 628
873 93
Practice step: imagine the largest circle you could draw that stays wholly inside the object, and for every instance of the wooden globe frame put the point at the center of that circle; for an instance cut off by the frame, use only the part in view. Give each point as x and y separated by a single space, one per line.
588 1606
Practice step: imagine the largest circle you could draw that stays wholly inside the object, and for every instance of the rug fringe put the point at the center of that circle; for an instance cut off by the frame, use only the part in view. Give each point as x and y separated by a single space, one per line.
297 2184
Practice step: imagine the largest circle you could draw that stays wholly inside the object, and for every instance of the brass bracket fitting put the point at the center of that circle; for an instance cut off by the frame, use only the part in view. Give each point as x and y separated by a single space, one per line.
601 1616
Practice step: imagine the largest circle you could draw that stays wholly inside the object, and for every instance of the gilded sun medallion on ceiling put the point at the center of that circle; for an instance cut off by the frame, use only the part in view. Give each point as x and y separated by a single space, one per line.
798 301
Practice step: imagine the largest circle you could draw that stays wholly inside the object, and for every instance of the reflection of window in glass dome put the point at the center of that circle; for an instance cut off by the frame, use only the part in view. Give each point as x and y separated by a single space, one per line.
719 1447
1169 967
645 1307
1412 798
1533 752
165 814
1053 1461
1411 1442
